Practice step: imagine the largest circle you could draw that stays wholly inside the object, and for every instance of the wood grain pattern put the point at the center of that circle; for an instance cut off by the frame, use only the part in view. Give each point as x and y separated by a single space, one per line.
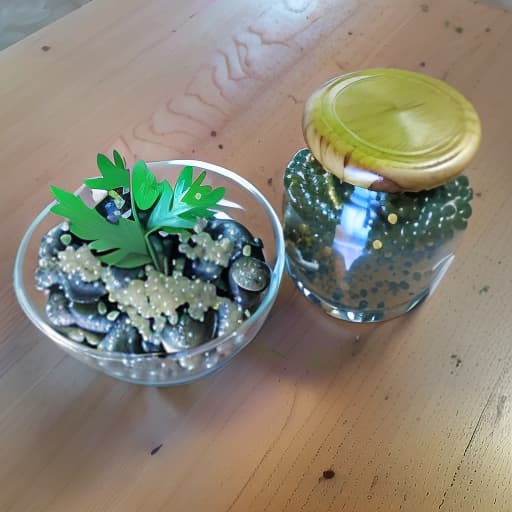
412 414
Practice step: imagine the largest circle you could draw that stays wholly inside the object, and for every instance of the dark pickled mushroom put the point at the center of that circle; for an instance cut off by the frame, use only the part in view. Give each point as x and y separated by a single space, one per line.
121 277
253 249
203 269
248 279
57 310
122 337
88 317
238 234
49 276
153 345
54 241
230 229
170 245
80 291
188 333
165 247
229 317
250 274
222 284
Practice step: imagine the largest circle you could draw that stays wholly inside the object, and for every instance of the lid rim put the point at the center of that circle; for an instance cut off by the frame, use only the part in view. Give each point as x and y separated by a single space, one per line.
409 170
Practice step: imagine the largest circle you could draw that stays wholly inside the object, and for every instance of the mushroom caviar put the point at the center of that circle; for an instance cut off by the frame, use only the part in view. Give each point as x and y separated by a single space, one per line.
143 310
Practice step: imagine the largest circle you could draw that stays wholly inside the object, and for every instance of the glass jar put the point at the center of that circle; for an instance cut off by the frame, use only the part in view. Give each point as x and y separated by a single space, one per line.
368 256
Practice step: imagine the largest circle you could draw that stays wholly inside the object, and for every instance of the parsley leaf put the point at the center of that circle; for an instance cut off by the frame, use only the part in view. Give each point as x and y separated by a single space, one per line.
155 206
145 187
114 175
162 217
190 201
124 241
119 160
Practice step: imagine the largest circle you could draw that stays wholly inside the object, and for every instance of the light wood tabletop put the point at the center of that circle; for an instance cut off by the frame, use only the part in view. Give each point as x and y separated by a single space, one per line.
411 414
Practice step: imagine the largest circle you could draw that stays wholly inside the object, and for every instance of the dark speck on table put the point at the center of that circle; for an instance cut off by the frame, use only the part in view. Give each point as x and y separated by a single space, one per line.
328 474
156 449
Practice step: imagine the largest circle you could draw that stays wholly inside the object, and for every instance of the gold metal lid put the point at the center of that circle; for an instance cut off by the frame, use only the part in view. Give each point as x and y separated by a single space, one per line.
391 130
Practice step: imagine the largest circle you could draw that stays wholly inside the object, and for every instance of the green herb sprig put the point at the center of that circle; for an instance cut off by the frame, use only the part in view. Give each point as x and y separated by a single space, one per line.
114 174
127 243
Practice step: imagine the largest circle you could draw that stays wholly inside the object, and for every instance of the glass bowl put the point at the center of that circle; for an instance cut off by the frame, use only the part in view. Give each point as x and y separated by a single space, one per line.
243 203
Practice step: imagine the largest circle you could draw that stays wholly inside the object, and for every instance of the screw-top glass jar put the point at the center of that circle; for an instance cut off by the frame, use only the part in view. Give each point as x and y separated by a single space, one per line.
371 222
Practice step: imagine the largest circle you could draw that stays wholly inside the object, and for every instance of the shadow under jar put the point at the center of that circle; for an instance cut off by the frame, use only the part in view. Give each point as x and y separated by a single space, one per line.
365 243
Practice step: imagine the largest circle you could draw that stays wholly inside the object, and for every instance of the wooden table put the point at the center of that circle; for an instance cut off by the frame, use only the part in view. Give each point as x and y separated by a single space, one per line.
412 414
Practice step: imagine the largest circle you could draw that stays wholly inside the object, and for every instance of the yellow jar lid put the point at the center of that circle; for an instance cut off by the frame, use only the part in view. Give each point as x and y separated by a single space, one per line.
391 129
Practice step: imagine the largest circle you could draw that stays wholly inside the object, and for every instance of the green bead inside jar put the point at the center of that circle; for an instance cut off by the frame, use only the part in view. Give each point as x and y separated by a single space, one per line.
368 244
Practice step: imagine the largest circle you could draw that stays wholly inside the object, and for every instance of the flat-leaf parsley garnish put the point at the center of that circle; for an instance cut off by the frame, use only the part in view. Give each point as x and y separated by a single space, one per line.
155 206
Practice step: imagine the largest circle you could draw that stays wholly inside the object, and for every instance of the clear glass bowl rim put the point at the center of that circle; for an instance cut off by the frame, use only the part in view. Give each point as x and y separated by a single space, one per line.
277 272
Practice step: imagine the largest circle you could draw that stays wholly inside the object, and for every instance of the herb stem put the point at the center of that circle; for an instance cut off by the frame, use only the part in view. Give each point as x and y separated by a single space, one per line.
152 252
149 245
